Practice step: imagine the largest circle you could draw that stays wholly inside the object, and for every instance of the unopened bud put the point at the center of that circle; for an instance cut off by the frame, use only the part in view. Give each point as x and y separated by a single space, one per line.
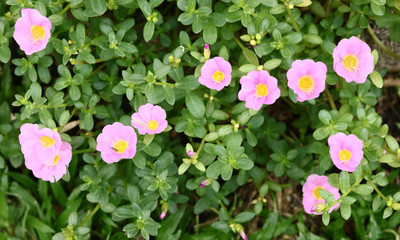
261 67
243 235
253 42
207 52
396 206
318 208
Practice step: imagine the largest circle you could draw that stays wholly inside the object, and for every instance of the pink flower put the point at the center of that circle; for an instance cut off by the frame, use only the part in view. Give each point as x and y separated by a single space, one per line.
243 235
190 153
307 79
352 60
216 73
346 151
203 183
43 144
311 196
150 119
162 215
45 154
258 88
32 31
116 142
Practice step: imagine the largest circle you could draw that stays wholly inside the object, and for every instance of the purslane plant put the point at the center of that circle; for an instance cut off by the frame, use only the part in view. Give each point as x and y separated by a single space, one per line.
168 121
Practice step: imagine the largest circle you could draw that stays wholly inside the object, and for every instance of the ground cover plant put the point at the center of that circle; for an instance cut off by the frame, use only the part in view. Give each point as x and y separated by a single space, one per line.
196 119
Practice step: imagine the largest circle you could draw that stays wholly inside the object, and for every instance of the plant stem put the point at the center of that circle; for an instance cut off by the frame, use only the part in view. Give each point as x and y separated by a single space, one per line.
331 102
246 51
200 147
348 190
328 8
377 190
164 83
83 150
93 212
292 19
381 45
48 106
65 9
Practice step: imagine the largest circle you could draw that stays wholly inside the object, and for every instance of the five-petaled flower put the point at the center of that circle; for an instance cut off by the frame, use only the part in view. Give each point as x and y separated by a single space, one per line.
311 194
32 31
352 60
117 142
150 119
258 88
44 152
216 73
346 151
307 79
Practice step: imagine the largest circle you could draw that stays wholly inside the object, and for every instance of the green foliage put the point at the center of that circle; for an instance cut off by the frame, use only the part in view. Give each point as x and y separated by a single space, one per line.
107 58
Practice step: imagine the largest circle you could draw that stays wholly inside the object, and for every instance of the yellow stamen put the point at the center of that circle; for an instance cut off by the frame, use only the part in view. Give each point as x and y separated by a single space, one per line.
306 84
344 155
120 146
261 90
350 62
56 160
152 125
47 142
218 76
37 33
316 194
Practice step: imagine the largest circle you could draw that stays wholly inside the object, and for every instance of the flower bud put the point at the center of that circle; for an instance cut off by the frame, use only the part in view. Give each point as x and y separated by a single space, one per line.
207 52
318 208
396 206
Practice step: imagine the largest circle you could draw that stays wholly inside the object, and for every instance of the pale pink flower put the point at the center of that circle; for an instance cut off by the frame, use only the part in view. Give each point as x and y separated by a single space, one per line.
32 31
307 79
346 151
258 88
216 73
243 235
53 171
44 152
311 196
162 215
43 144
352 60
150 119
117 142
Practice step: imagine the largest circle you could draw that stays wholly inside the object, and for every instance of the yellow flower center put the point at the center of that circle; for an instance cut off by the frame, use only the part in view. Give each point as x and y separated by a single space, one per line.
316 194
344 155
120 146
56 160
47 142
261 90
37 33
218 76
152 125
306 83
350 62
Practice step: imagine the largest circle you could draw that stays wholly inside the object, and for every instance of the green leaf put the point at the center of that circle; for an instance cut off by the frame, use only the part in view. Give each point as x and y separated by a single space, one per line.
363 189
244 217
210 33
5 53
145 7
272 64
312 38
388 212
344 181
86 56
98 6
324 116
321 133
376 79
325 218
195 105
148 30
345 211
74 92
